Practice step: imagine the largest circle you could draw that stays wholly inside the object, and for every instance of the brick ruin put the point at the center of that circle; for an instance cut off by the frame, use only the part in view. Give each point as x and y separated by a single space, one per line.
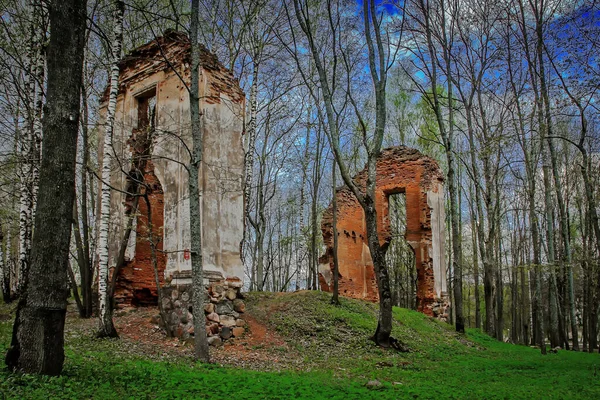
399 170
151 143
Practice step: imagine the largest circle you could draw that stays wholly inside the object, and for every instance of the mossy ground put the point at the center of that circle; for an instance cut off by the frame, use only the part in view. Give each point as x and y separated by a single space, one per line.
337 360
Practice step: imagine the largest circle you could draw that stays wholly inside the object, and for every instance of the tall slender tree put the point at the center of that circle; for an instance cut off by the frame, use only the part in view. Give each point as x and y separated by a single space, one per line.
38 334
200 341
379 60
106 326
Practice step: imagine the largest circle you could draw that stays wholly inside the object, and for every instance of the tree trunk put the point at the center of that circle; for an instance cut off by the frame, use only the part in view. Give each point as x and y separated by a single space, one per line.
8 265
29 148
3 266
199 291
336 271
153 241
251 132
313 265
106 327
38 332
384 324
86 267
474 241
73 284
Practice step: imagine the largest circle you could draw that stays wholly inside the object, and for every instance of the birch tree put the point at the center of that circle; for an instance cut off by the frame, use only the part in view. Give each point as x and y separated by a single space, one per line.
106 327
30 142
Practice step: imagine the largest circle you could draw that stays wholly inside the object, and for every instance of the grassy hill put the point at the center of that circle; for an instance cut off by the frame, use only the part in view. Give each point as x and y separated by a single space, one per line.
321 351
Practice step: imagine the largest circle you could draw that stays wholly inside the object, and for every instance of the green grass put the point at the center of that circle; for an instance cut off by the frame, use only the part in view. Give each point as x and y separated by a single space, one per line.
337 361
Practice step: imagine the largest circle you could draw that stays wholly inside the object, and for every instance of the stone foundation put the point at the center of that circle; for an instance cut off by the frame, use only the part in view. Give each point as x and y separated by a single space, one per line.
224 307
440 308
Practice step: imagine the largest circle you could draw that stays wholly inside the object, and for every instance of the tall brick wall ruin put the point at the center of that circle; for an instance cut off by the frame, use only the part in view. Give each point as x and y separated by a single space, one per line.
151 140
399 170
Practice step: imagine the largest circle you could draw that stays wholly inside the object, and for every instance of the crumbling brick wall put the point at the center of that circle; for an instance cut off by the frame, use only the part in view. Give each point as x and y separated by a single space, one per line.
136 283
151 142
399 170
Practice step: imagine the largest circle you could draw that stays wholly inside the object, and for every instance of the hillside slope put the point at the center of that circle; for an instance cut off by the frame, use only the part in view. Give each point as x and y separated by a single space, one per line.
300 346
440 364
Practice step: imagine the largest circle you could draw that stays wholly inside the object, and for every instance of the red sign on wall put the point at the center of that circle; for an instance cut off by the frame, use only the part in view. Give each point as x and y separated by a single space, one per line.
186 254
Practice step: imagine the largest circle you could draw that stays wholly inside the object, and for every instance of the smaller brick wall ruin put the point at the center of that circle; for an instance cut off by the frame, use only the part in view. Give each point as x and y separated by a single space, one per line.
399 170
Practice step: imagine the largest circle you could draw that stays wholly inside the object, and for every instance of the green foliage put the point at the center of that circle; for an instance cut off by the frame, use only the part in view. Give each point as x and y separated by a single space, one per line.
430 141
338 361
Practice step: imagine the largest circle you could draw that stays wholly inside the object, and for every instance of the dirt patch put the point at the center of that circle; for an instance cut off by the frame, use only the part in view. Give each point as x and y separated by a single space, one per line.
260 348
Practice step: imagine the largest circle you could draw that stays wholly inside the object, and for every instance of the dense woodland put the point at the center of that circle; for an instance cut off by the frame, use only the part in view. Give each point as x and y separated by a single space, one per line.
503 94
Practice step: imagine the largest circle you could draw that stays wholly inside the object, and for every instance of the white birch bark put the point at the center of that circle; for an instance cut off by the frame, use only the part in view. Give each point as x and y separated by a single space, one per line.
249 156
251 131
39 74
26 147
106 327
9 272
8 266
2 263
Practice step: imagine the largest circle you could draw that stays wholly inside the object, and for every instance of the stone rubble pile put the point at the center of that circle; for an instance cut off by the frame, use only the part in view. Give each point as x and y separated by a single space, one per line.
223 309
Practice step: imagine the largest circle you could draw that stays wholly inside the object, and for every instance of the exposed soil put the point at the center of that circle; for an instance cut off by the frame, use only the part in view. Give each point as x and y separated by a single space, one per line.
260 348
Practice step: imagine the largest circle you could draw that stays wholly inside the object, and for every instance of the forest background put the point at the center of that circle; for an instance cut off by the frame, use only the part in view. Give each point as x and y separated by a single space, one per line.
503 94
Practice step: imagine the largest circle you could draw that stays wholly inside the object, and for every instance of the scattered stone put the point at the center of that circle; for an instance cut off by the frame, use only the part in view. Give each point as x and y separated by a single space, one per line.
166 303
174 294
374 384
185 296
214 341
231 294
226 333
224 307
184 318
212 329
240 322
238 331
227 320
190 328
239 305
179 331
384 364
213 317
218 290
237 284
213 299
209 308
177 304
